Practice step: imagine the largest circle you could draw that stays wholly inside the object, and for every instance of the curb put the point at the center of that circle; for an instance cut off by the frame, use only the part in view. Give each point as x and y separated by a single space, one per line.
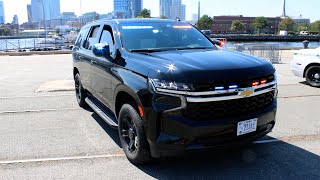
35 53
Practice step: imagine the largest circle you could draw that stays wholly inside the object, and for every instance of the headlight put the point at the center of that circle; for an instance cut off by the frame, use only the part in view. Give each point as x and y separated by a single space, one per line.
169 85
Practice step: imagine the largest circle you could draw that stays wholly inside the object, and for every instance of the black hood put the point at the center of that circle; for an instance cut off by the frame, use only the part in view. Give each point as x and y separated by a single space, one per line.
203 65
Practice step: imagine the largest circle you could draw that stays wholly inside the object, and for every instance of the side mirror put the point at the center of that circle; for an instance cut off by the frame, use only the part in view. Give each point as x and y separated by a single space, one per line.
101 50
218 42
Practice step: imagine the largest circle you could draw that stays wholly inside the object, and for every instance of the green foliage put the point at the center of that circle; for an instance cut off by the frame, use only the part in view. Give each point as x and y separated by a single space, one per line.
237 26
5 31
303 27
287 24
58 30
260 23
145 13
315 27
205 22
163 17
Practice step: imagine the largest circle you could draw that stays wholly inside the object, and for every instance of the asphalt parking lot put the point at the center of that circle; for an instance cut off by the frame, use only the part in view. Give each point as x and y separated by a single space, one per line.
45 135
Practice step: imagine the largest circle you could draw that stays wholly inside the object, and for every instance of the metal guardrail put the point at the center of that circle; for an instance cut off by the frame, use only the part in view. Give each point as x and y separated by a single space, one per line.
269 52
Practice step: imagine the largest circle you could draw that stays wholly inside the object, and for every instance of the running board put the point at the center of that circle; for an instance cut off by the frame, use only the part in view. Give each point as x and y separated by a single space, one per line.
103 114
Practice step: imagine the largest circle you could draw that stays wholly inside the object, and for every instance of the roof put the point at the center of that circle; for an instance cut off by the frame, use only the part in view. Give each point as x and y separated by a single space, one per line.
136 20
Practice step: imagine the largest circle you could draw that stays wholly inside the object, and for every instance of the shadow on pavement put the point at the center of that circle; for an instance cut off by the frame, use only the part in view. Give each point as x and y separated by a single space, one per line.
260 161
113 133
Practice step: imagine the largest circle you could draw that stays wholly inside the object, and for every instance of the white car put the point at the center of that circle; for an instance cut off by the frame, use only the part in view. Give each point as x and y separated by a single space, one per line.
306 64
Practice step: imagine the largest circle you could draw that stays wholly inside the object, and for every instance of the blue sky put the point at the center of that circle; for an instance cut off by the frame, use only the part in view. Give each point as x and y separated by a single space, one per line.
270 8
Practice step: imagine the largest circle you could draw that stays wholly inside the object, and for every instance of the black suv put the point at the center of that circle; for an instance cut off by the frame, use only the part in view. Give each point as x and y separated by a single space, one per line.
169 89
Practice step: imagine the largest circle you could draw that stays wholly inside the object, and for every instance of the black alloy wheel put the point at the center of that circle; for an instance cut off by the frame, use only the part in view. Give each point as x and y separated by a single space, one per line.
80 92
313 76
132 137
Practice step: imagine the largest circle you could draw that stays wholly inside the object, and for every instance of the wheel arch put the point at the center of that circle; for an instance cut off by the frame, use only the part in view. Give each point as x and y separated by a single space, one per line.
123 95
308 66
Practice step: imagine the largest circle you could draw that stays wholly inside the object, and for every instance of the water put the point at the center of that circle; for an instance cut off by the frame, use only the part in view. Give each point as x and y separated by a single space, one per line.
14 44
281 44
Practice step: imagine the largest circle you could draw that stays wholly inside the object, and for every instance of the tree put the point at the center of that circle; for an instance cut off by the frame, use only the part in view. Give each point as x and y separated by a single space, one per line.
163 17
205 22
287 24
145 13
303 27
58 30
237 26
259 23
315 27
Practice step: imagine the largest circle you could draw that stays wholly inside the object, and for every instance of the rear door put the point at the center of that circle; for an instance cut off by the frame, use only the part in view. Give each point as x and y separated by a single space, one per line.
101 69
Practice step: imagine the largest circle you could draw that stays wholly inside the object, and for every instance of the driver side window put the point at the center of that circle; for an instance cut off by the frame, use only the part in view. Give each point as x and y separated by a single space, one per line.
107 37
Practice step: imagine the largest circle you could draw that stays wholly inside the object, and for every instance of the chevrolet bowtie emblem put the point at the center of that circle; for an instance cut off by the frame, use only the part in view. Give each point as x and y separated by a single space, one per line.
247 93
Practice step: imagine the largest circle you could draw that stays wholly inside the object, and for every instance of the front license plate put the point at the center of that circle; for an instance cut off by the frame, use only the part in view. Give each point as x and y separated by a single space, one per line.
248 126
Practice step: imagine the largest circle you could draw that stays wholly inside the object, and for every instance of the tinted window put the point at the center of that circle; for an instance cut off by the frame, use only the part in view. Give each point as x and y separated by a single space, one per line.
81 37
92 38
162 35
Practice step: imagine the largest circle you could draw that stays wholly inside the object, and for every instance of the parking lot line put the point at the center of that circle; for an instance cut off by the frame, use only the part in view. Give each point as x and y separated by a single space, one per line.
25 97
38 110
62 158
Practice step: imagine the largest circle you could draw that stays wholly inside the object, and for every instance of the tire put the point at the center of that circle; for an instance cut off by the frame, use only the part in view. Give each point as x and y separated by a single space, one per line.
132 137
80 92
313 76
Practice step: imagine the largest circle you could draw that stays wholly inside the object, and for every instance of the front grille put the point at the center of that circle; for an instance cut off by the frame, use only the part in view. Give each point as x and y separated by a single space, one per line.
229 108
210 86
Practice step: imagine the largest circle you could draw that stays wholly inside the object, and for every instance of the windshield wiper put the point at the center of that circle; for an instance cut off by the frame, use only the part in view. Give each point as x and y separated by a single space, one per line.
150 50
186 48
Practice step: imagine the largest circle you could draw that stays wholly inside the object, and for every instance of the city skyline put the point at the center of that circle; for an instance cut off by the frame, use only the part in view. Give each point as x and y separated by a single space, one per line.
228 7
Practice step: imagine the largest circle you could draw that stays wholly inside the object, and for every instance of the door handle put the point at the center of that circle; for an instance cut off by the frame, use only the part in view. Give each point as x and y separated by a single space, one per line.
93 62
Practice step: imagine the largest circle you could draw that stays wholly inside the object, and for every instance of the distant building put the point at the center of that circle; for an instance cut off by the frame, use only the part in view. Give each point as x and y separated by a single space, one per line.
173 9
29 13
222 24
15 19
45 9
2 16
63 18
127 8
301 20
137 7
88 17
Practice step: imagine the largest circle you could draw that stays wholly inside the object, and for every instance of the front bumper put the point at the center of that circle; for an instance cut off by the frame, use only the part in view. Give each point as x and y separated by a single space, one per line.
178 134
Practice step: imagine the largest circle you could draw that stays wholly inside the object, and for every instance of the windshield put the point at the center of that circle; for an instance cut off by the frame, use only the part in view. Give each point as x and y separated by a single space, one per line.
162 36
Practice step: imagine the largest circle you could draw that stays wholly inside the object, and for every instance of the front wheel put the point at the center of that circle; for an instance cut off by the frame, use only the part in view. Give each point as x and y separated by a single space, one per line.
313 76
132 137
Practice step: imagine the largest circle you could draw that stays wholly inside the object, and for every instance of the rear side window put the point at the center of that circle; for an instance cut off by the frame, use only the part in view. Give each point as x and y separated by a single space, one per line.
92 38
81 37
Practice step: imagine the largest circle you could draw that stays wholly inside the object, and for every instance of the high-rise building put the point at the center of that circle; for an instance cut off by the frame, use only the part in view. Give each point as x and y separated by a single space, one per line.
173 9
15 20
29 13
165 8
128 8
137 7
45 9
2 17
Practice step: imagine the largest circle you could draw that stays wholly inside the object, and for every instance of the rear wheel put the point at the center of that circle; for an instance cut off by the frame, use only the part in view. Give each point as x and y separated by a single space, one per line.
132 137
313 76
80 92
